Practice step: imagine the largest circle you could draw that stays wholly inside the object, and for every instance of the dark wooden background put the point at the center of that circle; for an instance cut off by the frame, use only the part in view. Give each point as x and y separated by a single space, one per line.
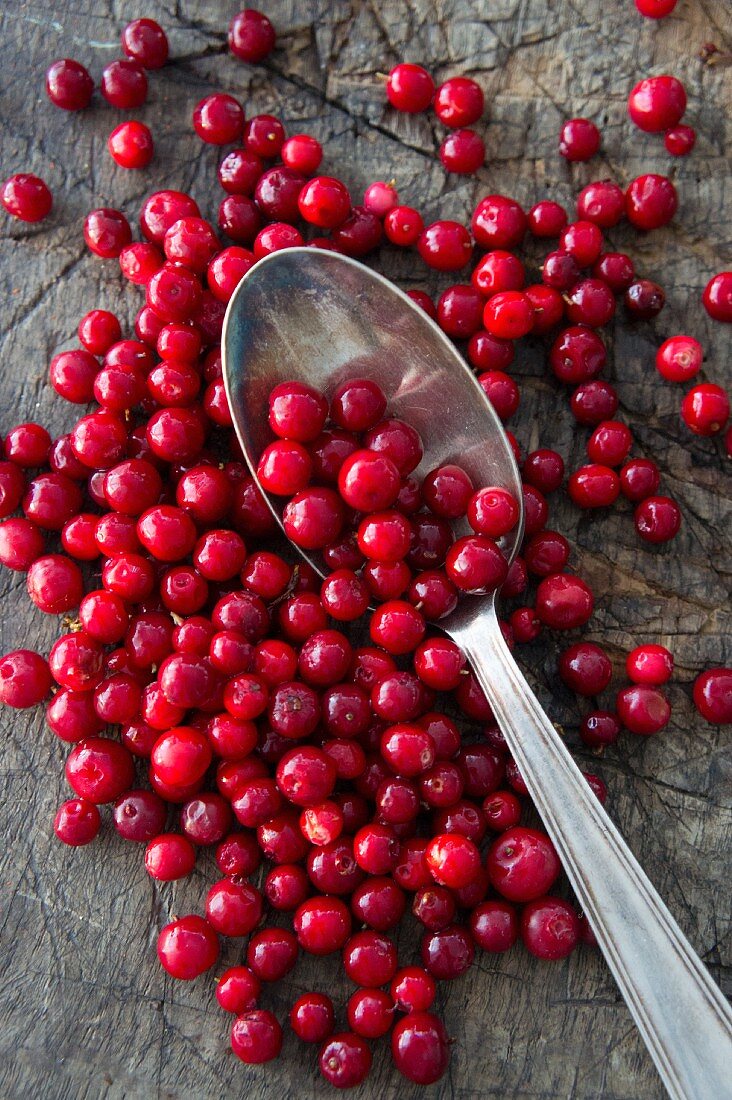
85 1010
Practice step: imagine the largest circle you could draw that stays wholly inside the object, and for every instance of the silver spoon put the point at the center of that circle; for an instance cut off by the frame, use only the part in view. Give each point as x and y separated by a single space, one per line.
317 317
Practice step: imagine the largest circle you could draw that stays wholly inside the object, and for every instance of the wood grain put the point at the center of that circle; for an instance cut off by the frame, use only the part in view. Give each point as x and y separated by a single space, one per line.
85 1011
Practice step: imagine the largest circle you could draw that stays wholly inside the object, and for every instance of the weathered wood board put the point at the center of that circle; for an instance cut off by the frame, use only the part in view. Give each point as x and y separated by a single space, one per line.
85 1010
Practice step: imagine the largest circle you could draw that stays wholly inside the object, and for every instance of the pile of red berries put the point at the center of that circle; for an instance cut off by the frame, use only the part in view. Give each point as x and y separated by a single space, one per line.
216 696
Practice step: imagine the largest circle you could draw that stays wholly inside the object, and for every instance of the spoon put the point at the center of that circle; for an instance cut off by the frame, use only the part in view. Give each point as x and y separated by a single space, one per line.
318 317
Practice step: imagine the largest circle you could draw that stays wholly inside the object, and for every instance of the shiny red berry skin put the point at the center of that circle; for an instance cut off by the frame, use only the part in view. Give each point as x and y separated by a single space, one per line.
256 1036
639 478
713 695
462 152
579 139
550 928
26 197
563 601
650 201
145 41
546 219
403 225
445 246
649 664
522 864
131 145
601 202
324 202
679 358
680 140
459 102
312 1017
642 709
498 222
655 9
717 297
420 1048
657 519
77 822
577 355
219 119
600 728
238 989
25 678
409 88
453 861
494 925
169 857
124 84
583 240
585 668
615 268
594 486
69 85
657 103
705 409
345 1060
251 36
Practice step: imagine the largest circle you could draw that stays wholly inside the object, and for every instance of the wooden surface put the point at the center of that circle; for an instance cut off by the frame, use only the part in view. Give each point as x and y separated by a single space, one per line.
85 1011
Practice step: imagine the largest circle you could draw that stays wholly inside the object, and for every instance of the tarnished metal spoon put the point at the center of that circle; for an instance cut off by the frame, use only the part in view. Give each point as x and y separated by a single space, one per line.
317 317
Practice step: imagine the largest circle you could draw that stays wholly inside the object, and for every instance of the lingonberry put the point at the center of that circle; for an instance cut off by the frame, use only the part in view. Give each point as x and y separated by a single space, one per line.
453 860
145 41
544 469
324 202
577 355
219 119
680 140
655 9
546 219
459 102
650 201
181 756
69 85
26 197
616 269
25 678
657 103
238 854
642 709
679 358
99 769
447 953
508 315
563 601
460 311
609 443
579 139
657 519
445 246
548 307
370 959
713 695
502 810
124 84
585 668
498 222
403 225
399 441
601 202
600 728
420 1047
583 241
590 302
522 864
27 445
312 1017
272 953
251 36
644 299
233 908
397 627
77 822
55 584
106 232
21 543
717 297
550 928
463 152
256 1036
649 664
238 989
409 88
705 409
593 402
139 816
345 1058
494 926
370 1012
131 145
594 486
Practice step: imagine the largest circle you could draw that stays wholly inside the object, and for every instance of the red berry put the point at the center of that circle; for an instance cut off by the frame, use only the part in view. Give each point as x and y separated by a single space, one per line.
131 145
649 664
26 197
445 246
717 297
463 152
403 225
679 358
459 102
642 709
251 36
713 695
409 88
69 85
550 928
657 103
585 668
77 822
680 140
312 1017
657 519
655 9
498 222
420 1048
124 84
563 601
579 139
256 1036
522 864
650 201
345 1058
145 41
705 409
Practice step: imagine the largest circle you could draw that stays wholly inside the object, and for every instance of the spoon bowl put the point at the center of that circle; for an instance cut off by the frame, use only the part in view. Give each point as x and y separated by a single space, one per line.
313 316
317 317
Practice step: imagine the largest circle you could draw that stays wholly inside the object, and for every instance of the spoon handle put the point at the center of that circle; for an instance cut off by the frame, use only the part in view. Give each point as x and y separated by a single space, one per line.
683 1017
